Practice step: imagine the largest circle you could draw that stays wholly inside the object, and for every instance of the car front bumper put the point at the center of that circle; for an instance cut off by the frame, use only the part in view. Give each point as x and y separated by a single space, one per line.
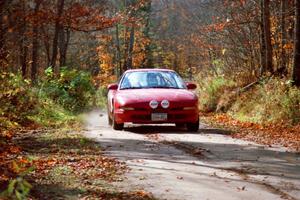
144 116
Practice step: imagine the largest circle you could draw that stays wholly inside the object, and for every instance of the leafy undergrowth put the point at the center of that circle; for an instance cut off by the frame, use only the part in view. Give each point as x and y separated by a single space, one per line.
65 166
268 112
272 101
23 106
268 134
212 89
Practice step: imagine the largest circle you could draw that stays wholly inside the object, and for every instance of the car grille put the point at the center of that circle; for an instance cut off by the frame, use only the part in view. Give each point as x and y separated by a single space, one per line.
141 117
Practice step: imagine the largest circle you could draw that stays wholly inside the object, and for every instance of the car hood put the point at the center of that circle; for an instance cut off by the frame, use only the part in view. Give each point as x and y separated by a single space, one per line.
158 94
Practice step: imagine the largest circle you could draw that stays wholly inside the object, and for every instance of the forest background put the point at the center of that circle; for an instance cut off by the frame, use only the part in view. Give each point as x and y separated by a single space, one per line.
57 57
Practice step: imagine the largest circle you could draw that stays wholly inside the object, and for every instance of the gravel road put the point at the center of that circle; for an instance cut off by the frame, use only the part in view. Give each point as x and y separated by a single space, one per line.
174 164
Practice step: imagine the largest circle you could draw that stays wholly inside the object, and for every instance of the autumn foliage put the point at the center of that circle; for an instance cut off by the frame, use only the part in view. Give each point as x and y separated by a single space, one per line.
56 58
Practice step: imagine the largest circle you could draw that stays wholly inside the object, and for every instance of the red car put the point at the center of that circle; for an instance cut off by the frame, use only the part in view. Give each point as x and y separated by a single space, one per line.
152 96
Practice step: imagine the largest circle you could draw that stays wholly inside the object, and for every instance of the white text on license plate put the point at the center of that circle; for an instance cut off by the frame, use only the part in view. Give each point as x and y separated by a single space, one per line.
159 116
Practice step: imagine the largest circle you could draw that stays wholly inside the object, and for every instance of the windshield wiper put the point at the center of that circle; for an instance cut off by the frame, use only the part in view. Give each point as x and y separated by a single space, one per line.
127 88
165 87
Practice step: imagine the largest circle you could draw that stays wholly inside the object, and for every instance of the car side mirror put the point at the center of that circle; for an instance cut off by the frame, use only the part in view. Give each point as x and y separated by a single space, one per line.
191 86
113 86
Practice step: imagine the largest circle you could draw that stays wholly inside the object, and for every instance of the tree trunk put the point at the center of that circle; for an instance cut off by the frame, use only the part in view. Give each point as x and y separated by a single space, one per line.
262 41
296 67
118 51
2 36
128 64
148 61
212 58
126 47
35 43
267 28
63 46
46 45
23 57
282 70
58 28
190 65
23 43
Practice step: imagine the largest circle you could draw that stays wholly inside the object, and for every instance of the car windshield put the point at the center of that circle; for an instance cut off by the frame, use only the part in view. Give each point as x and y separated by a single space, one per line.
151 79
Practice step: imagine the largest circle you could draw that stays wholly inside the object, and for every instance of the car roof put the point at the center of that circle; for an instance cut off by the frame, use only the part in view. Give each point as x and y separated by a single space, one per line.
149 69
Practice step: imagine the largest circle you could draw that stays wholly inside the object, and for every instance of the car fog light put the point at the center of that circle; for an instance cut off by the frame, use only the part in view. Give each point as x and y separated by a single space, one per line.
153 104
165 104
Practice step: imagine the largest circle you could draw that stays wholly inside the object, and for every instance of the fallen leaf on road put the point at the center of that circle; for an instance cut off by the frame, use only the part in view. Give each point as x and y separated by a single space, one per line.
267 134
241 188
214 174
198 152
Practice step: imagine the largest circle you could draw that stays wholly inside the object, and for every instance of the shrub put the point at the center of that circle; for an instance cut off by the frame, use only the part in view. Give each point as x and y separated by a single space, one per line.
17 101
49 104
211 89
50 114
72 89
273 101
101 98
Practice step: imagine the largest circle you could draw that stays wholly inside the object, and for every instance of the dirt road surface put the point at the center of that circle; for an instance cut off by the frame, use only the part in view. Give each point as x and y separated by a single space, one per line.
174 164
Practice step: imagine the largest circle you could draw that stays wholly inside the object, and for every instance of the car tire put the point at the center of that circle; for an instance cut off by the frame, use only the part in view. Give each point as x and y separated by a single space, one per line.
110 122
193 127
116 126
109 118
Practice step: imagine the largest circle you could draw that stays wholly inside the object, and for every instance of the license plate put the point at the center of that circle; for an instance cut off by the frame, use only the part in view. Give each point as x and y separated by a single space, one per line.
159 116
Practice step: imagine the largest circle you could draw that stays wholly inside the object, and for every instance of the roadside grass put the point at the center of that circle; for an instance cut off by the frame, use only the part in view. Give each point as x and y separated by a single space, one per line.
23 106
274 101
211 91
69 166
101 98
52 115
270 101
268 112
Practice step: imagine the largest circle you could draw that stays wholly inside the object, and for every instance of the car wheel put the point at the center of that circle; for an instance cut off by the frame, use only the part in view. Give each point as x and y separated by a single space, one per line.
108 118
193 127
117 126
110 122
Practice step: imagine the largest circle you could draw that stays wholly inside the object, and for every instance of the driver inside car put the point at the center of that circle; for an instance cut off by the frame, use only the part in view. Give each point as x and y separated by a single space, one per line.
152 80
